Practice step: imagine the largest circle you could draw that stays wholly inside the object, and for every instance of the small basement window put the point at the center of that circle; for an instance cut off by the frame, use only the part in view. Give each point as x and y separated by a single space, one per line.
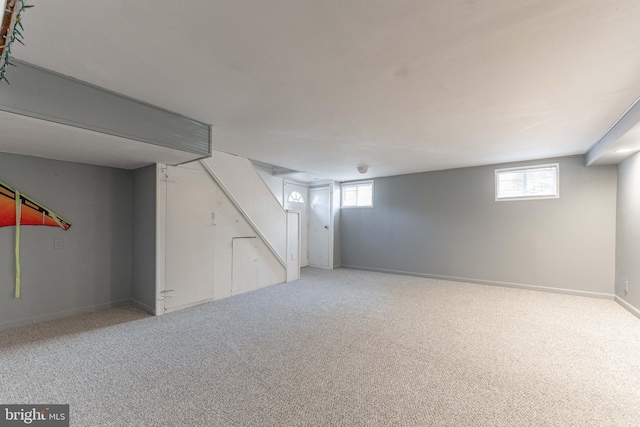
357 194
531 182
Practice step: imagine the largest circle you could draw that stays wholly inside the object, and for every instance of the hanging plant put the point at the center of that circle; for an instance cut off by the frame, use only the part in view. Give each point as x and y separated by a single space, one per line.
11 31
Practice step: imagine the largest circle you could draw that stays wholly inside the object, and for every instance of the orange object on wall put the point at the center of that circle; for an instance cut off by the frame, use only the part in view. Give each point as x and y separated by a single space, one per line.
31 212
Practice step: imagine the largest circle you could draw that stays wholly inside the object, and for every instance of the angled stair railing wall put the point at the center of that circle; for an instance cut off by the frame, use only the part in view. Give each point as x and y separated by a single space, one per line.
248 192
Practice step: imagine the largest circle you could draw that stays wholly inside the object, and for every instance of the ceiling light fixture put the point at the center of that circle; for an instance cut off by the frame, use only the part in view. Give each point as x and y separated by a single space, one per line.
624 150
363 168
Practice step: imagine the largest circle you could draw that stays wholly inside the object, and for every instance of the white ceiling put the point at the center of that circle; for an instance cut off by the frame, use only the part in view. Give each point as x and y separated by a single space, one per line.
34 137
324 85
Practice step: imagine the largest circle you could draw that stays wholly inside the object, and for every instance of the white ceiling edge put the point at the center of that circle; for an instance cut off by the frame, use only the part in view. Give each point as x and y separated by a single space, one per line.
621 140
40 138
622 148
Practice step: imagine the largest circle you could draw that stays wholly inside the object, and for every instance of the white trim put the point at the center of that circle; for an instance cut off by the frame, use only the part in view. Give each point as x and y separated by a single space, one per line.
601 295
161 236
328 187
245 215
336 198
189 305
302 202
631 309
357 184
286 273
304 209
523 168
292 182
332 233
621 126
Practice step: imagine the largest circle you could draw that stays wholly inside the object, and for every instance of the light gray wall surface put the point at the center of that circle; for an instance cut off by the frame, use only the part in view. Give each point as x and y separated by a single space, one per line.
628 231
93 269
335 207
275 184
143 255
447 224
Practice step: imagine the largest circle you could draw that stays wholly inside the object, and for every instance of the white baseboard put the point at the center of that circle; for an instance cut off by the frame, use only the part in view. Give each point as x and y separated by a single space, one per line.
489 282
192 304
628 306
60 314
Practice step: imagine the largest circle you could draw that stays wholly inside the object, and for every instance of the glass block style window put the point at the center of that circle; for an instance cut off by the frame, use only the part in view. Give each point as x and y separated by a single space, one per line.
531 182
357 194
295 197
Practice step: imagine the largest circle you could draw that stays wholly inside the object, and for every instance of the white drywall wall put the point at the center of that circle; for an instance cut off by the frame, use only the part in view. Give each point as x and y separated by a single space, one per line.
250 192
230 223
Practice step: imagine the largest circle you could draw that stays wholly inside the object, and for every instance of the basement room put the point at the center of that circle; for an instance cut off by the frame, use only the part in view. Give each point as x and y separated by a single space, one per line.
320 213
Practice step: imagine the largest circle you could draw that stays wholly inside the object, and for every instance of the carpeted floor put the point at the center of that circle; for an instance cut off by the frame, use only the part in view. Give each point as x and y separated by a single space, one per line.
339 348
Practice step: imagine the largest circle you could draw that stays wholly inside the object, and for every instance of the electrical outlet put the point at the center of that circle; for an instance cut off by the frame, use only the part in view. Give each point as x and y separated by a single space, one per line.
57 243
626 286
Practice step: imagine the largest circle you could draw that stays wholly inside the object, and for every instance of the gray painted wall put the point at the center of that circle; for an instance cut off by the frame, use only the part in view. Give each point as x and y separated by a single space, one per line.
143 268
628 231
448 224
93 269
337 257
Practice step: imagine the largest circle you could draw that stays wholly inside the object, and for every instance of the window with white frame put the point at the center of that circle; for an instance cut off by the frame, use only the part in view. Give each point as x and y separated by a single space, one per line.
295 197
530 182
357 194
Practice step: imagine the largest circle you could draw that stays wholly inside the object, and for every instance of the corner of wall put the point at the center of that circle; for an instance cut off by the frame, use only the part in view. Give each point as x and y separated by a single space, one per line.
627 274
92 269
631 309
161 226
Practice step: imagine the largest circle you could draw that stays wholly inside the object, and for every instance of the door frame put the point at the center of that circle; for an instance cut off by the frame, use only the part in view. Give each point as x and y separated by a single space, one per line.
304 215
329 188
296 276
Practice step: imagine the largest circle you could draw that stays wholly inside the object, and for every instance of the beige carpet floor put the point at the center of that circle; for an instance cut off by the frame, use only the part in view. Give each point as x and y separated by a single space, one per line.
339 348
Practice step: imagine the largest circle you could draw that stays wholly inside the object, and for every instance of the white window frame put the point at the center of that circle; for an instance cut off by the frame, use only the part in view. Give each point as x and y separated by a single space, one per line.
522 168
356 184
299 202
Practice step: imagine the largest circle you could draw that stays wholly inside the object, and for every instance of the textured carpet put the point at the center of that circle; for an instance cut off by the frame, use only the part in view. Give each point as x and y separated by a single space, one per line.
341 348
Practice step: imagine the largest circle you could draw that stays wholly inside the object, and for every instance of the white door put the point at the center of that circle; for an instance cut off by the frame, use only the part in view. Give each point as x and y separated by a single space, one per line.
320 228
296 198
244 274
293 246
190 237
